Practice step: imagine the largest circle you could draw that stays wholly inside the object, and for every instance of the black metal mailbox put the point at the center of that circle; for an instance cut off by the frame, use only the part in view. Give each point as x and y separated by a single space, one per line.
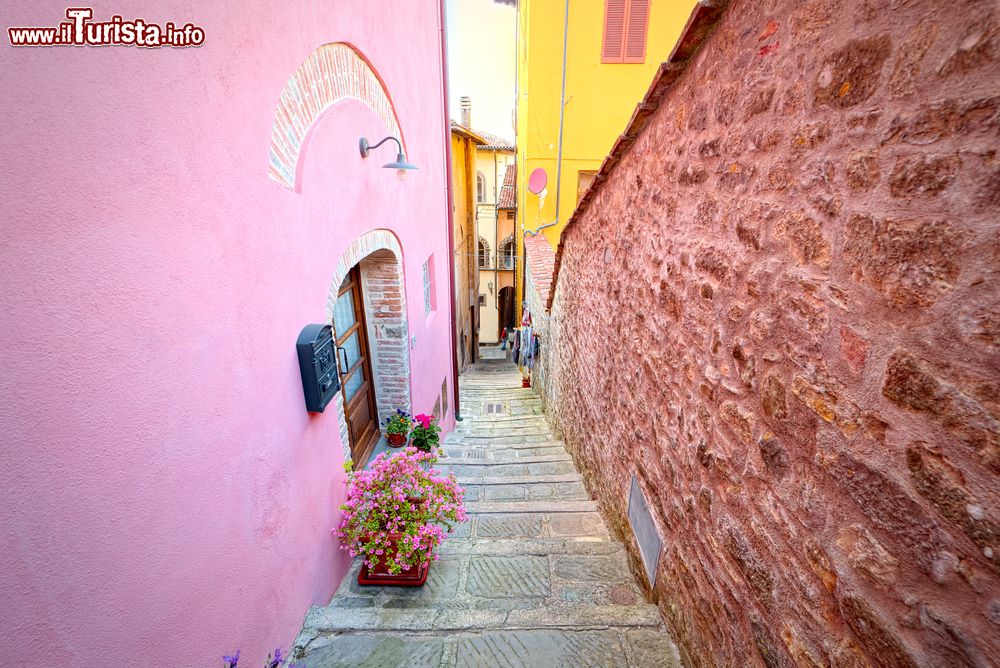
318 364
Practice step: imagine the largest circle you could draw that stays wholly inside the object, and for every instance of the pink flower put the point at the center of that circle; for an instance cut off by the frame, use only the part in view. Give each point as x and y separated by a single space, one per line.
424 420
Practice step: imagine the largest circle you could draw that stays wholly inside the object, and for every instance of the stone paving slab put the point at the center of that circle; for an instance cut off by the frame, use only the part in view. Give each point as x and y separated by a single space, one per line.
589 545
559 525
554 457
553 453
469 468
531 506
555 616
527 581
530 648
519 480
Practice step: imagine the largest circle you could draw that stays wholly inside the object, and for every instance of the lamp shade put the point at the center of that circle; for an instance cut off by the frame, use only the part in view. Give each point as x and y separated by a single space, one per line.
400 163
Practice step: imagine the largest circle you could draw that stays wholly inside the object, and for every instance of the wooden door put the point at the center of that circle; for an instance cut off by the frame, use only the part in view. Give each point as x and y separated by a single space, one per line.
354 364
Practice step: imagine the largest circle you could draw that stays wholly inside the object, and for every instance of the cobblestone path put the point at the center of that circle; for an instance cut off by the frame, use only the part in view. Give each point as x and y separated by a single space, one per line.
533 579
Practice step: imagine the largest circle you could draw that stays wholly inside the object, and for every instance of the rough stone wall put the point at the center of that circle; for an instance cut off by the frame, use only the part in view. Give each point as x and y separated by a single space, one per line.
781 312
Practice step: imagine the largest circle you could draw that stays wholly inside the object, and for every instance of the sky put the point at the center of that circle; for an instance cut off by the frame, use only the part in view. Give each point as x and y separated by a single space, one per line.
481 63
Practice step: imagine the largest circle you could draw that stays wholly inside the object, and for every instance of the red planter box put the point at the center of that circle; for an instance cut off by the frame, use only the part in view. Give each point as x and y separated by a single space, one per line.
380 575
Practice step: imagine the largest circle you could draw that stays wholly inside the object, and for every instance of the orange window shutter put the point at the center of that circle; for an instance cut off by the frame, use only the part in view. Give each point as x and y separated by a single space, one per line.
613 49
636 26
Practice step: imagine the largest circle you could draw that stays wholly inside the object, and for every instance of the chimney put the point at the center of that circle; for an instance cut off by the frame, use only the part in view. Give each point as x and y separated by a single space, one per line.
466 104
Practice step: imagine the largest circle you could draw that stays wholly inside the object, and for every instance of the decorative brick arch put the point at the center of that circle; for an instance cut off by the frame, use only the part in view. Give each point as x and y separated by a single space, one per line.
332 73
489 255
381 259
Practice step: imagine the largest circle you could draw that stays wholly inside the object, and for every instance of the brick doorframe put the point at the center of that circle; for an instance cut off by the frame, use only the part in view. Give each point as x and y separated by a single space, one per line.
381 260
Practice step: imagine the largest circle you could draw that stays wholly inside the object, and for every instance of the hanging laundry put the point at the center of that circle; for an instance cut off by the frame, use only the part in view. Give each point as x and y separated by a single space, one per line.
515 348
524 347
533 351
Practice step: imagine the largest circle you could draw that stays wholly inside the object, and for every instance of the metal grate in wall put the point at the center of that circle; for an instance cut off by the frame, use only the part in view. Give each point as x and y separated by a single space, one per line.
494 408
644 529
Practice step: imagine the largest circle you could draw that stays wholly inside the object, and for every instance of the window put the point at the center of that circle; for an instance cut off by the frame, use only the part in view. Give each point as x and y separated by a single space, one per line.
484 254
480 188
508 255
625 23
429 285
586 178
482 300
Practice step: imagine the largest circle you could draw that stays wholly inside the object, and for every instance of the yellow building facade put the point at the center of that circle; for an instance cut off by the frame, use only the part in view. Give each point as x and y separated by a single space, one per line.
463 191
612 50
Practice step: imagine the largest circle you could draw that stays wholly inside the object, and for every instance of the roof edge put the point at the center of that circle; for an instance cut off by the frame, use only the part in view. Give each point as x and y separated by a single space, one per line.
463 131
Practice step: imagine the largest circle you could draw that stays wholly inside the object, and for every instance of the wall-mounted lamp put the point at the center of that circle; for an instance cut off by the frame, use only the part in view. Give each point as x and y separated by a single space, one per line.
400 161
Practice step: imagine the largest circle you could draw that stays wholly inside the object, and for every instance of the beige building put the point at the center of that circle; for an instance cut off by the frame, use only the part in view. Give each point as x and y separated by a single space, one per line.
496 207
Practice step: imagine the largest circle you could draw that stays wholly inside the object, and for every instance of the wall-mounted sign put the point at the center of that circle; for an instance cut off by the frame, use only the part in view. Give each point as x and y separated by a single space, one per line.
318 365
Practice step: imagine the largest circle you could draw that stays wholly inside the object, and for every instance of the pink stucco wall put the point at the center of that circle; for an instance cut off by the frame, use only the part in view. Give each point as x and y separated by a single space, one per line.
166 498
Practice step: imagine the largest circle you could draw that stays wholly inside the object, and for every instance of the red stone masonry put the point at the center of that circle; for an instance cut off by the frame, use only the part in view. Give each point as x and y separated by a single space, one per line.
541 263
778 307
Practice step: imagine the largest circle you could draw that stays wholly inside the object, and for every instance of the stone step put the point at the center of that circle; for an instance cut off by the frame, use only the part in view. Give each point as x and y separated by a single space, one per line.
333 619
630 648
501 418
503 438
533 524
517 480
482 580
586 545
484 507
560 491
491 469
495 454
500 435
515 397
486 460
501 421
503 433
501 444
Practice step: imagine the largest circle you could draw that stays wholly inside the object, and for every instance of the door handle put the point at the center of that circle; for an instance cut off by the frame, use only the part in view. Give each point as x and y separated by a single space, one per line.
346 368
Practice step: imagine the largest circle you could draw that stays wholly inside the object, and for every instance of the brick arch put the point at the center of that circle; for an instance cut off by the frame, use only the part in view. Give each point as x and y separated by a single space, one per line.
384 293
331 73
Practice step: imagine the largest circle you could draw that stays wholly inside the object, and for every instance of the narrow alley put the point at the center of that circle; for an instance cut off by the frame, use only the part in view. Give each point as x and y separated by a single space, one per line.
533 578
682 315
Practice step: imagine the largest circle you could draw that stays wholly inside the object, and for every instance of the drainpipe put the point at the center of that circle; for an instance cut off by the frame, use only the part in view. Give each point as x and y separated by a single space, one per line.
446 125
562 115
496 243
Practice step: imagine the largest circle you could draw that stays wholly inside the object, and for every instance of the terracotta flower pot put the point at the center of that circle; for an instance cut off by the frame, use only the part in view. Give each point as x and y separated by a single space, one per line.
380 575
525 382
396 440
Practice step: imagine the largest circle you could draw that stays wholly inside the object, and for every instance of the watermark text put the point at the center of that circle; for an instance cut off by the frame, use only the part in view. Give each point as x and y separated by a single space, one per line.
81 30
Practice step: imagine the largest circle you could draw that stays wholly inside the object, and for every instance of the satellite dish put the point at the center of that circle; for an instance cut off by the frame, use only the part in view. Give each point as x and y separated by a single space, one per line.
537 181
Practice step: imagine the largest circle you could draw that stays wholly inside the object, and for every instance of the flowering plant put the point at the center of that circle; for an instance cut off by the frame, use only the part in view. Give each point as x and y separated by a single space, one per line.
425 432
399 423
275 661
397 495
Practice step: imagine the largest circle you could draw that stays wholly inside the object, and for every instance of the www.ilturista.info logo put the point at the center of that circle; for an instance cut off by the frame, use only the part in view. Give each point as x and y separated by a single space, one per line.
79 30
